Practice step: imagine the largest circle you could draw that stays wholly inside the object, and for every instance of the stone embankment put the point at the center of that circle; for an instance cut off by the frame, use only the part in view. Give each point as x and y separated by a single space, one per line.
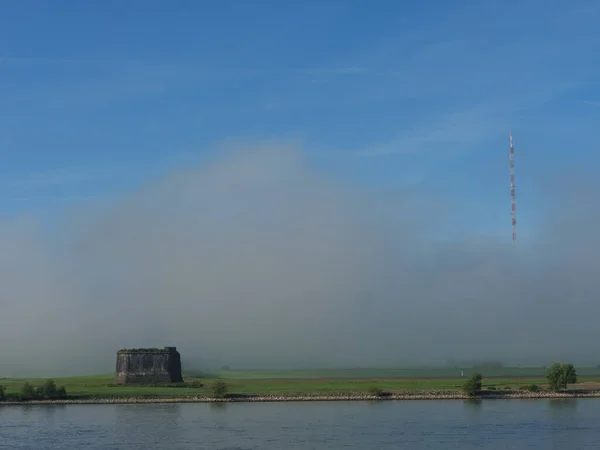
433 395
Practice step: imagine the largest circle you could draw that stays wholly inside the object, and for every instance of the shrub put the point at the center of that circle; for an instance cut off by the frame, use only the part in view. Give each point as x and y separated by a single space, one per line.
473 385
49 389
531 388
2 393
220 389
375 391
61 393
560 375
378 392
28 392
39 393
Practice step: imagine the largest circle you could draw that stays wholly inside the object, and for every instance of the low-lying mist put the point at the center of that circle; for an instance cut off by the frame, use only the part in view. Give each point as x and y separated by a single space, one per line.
259 260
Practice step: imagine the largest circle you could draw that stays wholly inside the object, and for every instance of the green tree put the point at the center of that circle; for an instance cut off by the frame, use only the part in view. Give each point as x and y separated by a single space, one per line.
2 393
560 375
28 392
61 393
220 389
473 385
49 390
39 393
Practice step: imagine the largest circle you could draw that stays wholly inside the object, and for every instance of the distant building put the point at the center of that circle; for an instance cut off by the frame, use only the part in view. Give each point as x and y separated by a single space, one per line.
148 366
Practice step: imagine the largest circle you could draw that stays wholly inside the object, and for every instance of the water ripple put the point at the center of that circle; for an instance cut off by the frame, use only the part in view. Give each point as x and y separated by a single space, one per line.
432 425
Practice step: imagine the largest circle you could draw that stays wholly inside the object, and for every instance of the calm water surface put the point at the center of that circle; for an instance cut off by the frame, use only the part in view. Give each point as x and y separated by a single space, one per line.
570 424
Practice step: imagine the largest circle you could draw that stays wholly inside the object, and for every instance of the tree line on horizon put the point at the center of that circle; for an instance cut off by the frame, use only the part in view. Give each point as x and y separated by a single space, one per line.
559 376
47 391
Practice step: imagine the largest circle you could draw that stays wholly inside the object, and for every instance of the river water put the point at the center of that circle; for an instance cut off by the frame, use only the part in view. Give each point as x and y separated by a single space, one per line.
569 424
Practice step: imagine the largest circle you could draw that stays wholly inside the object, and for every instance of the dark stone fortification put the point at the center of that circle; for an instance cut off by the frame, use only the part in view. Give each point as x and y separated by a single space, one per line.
148 366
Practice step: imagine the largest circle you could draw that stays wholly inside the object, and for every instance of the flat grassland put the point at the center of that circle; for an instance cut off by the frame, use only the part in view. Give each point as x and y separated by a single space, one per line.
305 382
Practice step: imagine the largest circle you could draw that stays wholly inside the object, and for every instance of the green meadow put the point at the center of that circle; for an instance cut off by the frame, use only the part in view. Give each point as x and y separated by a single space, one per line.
301 382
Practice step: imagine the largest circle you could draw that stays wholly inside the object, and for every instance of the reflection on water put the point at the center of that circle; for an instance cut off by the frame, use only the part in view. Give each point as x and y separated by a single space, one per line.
562 408
218 406
562 403
161 422
473 402
472 424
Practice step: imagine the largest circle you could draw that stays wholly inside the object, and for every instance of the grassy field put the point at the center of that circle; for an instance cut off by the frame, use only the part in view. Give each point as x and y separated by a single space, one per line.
297 382
412 373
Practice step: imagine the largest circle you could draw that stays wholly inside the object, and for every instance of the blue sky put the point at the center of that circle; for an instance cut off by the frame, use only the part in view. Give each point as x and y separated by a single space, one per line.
97 97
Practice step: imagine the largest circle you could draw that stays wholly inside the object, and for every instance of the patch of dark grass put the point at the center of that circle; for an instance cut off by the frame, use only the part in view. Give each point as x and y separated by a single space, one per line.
530 388
378 392
187 384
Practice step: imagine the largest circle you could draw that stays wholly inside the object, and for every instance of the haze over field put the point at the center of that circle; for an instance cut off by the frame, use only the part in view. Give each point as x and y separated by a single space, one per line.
299 184
258 259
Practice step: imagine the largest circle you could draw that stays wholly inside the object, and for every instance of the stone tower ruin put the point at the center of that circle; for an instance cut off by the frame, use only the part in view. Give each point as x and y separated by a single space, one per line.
148 366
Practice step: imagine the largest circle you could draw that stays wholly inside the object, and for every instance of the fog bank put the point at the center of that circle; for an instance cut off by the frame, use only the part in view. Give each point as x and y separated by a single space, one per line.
257 259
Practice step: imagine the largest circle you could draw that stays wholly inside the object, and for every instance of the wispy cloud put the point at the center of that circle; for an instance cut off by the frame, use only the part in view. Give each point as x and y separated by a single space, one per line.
193 66
463 86
52 60
444 73
592 102
57 185
473 102
47 184
465 127
132 79
47 179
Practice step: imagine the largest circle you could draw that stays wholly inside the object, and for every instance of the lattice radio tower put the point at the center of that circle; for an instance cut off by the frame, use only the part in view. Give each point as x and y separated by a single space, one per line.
512 189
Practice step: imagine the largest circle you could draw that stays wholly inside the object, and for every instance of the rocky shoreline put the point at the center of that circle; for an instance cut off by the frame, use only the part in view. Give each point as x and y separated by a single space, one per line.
436 395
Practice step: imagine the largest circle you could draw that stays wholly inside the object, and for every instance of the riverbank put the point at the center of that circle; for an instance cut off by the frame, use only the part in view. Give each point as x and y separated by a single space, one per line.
282 387
316 397
102 386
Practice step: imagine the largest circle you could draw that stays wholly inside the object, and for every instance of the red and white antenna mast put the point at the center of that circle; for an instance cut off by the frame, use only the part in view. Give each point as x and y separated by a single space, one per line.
512 189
